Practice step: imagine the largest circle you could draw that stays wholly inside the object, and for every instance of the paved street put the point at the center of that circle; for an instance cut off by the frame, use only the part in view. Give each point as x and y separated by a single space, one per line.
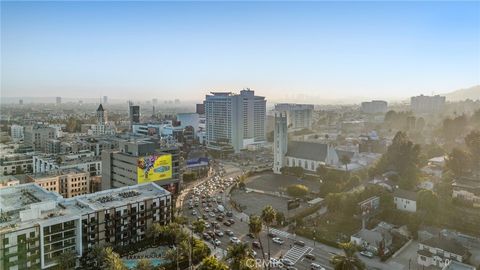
321 253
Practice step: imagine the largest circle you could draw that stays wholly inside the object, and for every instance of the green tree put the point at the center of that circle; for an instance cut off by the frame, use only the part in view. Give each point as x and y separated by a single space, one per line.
349 261
297 190
144 264
345 160
237 253
404 157
199 226
458 161
255 227
268 216
333 201
66 260
211 263
280 218
472 140
113 260
428 201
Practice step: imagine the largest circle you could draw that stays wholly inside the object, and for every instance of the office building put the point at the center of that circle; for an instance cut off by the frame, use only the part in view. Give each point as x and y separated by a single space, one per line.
142 161
134 114
427 104
234 120
299 116
67 182
280 141
41 225
105 100
36 136
374 106
16 132
58 100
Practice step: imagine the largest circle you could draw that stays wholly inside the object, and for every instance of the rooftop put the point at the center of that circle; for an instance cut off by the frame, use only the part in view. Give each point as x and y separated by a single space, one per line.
402 193
25 205
454 265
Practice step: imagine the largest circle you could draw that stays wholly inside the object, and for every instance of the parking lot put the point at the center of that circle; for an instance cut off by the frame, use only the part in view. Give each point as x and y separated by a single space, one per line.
278 182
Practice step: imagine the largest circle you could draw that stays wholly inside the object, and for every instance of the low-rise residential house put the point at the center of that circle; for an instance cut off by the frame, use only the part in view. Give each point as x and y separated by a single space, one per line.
372 240
439 251
405 200
467 190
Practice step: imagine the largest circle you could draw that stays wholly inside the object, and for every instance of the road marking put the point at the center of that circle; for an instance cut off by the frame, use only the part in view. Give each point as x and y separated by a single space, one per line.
296 252
281 233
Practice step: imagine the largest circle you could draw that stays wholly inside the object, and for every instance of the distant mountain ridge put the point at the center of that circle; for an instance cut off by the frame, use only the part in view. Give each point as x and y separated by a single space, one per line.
466 93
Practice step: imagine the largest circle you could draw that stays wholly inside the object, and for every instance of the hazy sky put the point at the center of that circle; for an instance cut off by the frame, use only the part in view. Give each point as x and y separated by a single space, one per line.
183 50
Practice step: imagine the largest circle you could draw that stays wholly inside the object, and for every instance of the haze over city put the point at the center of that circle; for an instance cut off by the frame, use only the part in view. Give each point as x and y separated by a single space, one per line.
321 51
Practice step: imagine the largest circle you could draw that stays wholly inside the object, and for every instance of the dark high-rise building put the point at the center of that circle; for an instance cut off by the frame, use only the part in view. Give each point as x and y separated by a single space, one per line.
200 108
20 102
134 114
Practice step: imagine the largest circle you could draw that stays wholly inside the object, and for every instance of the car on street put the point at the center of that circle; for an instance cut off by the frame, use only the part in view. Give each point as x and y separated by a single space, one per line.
256 244
272 235
287 262
299 243
278 240
316 266
235 240
367 254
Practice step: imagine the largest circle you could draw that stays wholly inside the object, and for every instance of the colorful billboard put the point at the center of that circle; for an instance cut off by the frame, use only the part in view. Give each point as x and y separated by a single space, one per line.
154 168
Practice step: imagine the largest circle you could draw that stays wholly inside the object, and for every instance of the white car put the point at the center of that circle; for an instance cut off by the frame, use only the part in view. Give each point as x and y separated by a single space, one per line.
235 240
211 214
278 240
217 242
287 262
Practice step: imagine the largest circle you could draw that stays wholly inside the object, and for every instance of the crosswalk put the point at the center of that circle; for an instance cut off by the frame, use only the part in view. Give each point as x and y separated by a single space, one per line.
296 252
281 233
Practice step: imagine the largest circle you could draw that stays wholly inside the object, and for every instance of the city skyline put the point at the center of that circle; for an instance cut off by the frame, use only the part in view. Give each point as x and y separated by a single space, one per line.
281 50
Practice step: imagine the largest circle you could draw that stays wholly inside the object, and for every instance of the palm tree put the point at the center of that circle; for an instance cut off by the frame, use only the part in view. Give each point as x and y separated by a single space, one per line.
113 260
211 263
66 260
237 253
155 231
345 160
144 264
268 216
349 261
255 227
199 226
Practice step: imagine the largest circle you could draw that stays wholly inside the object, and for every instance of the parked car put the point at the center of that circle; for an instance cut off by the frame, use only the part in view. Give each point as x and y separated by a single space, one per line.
251 235
219 233
229 214
226 223
367 254
231 221
310 256
229 232
217 242
272 235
